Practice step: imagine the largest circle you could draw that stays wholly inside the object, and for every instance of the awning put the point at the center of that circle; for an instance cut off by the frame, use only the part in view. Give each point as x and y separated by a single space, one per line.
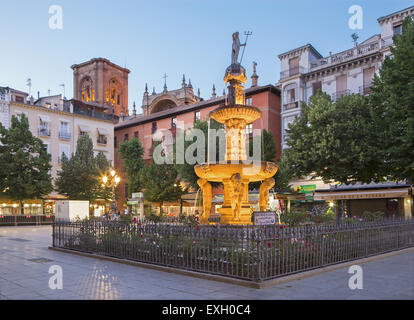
362 194
103 132
44 118
83 128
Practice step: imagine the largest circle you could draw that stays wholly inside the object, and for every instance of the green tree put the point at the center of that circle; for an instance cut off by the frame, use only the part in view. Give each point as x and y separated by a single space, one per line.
131 153
268 146
268 152
24 162
161 183
186 170
334 140
283 175
392 101
81 176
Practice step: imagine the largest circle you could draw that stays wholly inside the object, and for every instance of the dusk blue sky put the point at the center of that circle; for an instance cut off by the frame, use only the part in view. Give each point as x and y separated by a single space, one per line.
173 36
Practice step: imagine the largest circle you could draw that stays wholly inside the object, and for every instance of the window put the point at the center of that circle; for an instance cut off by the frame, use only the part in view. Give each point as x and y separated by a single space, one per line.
293 66
101 139
19 115
397 29
19 99
316 86
64 132
248 101
84 130
126 137
291 95
249 129
174 122
154 127
136 135
196 116
126 190
44 130
115 142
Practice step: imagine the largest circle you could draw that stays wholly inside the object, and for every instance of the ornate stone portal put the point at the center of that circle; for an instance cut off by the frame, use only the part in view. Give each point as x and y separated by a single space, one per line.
235 173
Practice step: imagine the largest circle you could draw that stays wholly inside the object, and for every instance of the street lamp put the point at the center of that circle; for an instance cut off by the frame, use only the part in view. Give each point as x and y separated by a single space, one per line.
113 182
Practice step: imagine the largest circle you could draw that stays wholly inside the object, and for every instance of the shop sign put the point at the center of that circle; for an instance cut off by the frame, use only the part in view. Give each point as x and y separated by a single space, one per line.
305 188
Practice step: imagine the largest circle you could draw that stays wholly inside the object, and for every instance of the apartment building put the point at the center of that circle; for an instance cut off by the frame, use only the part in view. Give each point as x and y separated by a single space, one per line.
304 70
8 95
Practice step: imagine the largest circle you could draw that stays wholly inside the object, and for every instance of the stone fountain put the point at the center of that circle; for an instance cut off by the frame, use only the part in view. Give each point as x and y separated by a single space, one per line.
235 173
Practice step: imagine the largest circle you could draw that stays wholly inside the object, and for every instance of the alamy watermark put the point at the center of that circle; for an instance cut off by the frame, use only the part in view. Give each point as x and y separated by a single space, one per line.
56 18
174 150
56 280
356 280
356 20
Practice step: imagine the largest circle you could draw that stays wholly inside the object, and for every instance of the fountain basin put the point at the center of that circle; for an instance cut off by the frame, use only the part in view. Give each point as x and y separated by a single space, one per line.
255 171
238 111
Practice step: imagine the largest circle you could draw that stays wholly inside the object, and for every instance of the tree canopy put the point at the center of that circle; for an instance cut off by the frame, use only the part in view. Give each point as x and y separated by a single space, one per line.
392 101
334 140
186 170
131 153
81 176
161 182
24 162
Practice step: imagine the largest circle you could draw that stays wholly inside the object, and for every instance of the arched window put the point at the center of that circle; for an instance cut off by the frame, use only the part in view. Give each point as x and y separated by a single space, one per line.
114 93
87 90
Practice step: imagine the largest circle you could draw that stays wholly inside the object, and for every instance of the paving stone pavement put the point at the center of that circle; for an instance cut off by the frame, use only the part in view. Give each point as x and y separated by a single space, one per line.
24 275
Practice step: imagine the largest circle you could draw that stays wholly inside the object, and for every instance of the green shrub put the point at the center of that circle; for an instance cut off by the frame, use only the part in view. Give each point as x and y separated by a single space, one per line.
373 216
294 217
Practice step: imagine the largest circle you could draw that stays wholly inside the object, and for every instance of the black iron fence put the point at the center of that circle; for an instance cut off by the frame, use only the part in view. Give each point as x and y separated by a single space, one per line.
16 220
251 253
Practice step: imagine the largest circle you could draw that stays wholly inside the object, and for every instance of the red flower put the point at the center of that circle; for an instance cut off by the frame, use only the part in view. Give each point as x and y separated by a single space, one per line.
269 245
282 227
27 217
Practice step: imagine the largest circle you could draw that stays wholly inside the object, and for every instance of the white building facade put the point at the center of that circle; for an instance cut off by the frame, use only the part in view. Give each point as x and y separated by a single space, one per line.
304 70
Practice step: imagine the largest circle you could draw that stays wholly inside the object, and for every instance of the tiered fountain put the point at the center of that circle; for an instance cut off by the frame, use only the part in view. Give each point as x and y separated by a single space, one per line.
234 174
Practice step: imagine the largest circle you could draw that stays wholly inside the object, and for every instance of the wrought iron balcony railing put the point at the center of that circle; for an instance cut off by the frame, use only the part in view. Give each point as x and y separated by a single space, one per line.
44 132
291 105
339 94
65 135
365 89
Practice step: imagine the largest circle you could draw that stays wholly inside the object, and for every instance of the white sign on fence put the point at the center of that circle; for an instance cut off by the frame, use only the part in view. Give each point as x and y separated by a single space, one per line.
264 217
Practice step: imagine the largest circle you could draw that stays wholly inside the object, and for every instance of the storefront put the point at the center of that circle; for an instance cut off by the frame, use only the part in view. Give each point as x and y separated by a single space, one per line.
394 200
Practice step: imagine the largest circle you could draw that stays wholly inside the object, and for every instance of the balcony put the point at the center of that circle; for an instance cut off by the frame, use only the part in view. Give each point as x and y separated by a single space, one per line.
291 72
346 55
291 106
102 140
65 135
44 132
365 90
339 94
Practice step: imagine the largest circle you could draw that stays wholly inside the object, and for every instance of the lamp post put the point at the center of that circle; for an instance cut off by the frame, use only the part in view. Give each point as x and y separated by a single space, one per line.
112 182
